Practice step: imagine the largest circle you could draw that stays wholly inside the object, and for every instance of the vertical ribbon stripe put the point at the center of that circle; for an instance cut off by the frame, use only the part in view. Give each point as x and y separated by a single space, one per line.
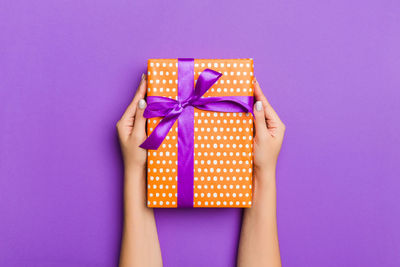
185 134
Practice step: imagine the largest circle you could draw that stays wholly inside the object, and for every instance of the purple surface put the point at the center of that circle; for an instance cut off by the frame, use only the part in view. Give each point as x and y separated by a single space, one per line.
68 69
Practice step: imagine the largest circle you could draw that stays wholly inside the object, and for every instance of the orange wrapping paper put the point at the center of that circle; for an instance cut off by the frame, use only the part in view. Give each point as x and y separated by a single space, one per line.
223 142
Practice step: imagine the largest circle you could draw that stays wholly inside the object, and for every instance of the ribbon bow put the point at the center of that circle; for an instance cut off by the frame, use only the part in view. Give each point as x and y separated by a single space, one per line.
171 109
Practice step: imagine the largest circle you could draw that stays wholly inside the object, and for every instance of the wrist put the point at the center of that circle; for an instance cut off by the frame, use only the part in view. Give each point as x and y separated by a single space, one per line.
264 178
134 188
265 170
134 169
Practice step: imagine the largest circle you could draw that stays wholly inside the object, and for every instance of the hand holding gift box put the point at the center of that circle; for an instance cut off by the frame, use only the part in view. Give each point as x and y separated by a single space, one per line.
209 157
200 132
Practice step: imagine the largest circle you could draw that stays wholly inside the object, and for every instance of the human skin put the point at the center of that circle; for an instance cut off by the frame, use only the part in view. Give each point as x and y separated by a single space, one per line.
259 237
259 244
140 245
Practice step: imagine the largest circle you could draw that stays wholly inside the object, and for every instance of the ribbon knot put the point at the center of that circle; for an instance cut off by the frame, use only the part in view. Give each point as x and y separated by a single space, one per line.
170 109
183 104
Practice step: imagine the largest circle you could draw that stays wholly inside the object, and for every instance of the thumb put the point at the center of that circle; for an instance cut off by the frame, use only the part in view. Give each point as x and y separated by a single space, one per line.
259 119
140 121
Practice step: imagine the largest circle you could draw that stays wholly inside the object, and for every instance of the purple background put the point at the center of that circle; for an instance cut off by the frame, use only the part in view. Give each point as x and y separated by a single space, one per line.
68 69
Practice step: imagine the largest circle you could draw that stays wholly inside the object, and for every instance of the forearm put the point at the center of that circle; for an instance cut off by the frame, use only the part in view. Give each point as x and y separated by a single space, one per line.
140 246
259 244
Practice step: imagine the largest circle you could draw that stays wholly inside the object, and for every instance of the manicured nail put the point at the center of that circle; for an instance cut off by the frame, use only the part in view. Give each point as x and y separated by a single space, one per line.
259 106
143 77
254 80
142 104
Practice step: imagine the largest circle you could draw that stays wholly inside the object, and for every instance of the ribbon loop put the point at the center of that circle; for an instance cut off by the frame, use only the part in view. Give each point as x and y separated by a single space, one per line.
206 80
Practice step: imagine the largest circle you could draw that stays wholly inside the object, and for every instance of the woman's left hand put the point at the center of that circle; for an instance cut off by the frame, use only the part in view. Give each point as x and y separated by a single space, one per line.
139 246
131 130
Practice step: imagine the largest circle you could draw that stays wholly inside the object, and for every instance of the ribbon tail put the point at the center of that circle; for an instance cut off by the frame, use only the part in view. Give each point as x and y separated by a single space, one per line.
155 139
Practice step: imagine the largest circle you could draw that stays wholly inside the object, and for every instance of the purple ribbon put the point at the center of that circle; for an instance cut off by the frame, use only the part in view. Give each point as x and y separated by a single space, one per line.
189 97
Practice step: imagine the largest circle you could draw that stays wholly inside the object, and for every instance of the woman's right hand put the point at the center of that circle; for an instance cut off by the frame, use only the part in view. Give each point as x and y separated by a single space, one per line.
259 245
269 134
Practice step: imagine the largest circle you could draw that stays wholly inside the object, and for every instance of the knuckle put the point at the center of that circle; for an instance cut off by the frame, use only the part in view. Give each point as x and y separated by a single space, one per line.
139 115
261 125
260 137
137 135
134 134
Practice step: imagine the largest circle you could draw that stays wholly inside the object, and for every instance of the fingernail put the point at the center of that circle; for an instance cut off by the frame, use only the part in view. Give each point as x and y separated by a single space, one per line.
143 76
259 106
142 104
254 80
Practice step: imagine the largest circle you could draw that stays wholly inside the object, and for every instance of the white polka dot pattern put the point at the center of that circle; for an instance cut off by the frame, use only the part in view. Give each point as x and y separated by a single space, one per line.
223 142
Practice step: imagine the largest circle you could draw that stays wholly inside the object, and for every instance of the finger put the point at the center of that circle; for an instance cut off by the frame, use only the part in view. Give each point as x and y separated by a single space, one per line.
140 121
140 93
259 119
270 113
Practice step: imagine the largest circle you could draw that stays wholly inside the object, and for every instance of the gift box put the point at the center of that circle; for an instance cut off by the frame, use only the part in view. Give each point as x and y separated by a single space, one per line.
200 133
